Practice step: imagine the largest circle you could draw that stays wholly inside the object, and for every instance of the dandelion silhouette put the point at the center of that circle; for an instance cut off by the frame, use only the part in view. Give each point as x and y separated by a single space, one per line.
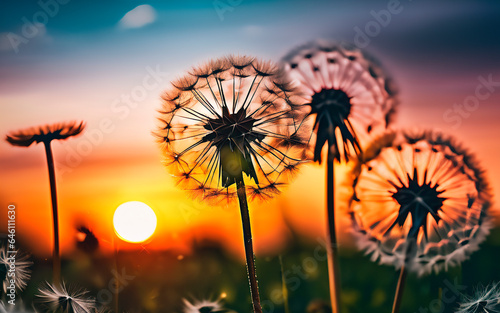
86 240
229 129
420 203
485 300
348 99
65 300
22 268
46 134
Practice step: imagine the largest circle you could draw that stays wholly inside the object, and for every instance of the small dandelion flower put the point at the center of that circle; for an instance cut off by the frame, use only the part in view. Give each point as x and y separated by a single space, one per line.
22 263
228 118
420 200
46 134
348 95
485 300
203 306
62 299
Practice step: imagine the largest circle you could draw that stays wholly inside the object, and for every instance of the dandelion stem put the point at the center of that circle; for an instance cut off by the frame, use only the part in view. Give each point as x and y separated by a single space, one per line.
334 275
409 251
399 290
247 236
56 259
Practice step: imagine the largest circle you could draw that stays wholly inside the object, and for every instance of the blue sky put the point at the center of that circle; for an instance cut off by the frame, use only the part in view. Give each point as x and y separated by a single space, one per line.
82 61
432 47
422 28
456 36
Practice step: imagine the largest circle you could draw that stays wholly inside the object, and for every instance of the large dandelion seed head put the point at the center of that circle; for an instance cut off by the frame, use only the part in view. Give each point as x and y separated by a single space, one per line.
420 200
348 95
230 119
485 300
17 263
67 300
47 133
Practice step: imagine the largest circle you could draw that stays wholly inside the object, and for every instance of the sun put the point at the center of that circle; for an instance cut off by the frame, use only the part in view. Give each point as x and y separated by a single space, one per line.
134 221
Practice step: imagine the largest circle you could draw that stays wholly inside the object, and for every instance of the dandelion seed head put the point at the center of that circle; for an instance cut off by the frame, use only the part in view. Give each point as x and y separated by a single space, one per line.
229 119
47 133
419 200
485 300
63 299
203 306
22 264
348 97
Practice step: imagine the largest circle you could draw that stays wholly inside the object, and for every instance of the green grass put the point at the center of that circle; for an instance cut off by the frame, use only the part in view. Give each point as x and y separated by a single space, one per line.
162 280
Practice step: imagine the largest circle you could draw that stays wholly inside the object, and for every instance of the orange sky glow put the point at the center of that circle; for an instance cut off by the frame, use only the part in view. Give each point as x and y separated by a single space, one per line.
88 77
127 166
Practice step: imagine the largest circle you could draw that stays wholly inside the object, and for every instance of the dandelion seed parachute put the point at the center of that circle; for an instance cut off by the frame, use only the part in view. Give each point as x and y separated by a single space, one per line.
23 268
228 119
420 200
63 299
203 306
485 299
349 98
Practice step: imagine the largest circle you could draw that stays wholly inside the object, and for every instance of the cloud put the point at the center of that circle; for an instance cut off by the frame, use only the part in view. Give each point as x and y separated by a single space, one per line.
138 17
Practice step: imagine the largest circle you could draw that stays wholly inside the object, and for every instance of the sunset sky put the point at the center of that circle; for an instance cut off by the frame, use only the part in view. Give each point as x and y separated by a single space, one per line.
106 63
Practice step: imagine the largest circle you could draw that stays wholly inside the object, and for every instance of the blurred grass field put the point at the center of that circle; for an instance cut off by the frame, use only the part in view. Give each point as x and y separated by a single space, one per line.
158 281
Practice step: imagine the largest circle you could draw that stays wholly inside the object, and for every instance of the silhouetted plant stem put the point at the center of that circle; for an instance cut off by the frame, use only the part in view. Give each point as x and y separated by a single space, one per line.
247 236
333 269
399 290
56 259
398 296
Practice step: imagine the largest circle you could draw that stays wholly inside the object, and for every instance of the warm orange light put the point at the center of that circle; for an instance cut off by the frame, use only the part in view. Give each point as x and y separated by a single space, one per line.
134 221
